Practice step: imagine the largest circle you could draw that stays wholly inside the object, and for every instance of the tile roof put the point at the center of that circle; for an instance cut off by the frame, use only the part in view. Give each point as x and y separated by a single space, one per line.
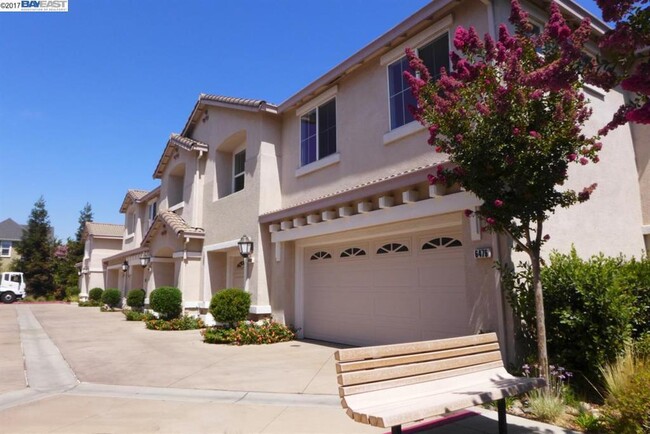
132 196
11 231
101 230
254 103
176 223
187 143
177 141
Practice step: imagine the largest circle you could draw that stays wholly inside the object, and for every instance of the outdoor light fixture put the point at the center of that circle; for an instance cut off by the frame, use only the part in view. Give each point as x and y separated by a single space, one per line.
78 271
145 258
125 266
245 246
245 249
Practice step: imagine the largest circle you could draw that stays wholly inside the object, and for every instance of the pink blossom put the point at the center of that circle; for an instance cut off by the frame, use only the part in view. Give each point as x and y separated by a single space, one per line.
515 131
537 94
519 17
490 221
432 179
614 10
598 146
460 38
596 159
571 157
498 203
638 82
483 109
583 161
640 115
586 193
535 134
459 138
468 212
547 237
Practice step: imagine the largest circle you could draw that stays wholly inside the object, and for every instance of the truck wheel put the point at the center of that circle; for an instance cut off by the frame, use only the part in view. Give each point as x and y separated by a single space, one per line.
8 297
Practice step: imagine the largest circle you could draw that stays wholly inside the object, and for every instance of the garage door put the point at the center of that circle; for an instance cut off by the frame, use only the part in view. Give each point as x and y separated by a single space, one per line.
386 290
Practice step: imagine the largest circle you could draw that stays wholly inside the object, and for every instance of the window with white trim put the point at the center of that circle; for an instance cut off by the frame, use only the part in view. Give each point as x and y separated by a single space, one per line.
152 211
238 170
318 133
319 256
434 55
5 248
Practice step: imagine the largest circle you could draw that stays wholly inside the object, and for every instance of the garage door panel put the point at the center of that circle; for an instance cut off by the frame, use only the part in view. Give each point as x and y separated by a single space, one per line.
397 305
393 276
386 298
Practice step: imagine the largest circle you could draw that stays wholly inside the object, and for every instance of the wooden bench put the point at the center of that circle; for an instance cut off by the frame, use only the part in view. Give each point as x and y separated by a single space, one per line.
389 385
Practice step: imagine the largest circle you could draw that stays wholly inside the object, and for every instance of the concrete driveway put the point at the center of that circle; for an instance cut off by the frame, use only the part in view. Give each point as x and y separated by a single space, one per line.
71 369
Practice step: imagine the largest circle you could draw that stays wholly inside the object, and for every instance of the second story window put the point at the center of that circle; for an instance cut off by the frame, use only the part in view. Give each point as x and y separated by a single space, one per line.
238 170
318 133
435 55
5 248
152 211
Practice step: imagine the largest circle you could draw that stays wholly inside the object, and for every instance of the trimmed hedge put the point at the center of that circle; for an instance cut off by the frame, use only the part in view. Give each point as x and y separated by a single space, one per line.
112 298
593 307
135 299
230 306
249 333
95 294
167 301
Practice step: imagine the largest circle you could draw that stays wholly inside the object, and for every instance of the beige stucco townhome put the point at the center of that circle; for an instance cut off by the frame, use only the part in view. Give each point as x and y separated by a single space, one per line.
101 240
350 243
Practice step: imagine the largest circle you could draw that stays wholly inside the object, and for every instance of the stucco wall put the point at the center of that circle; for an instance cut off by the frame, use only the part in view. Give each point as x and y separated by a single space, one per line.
362 111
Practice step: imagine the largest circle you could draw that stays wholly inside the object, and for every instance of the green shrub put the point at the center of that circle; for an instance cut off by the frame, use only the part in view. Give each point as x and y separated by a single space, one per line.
588 421
89 303
135 299
112 297
591 309
167 301
183 323
134 315
627 405
546 406
95 294
230 306
250 333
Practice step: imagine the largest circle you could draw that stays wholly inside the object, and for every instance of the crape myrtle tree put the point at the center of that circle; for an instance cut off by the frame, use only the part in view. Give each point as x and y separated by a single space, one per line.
36 249
510 119
625 59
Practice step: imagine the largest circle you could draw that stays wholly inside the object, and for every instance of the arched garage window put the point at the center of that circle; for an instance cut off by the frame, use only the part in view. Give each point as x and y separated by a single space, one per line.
441 242
320 256
392 248
352 251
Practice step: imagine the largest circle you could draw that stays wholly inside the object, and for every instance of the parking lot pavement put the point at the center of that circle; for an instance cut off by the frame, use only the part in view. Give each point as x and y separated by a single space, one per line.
95 372
12 370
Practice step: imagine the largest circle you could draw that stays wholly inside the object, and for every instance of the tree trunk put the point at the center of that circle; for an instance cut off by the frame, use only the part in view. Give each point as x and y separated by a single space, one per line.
542 354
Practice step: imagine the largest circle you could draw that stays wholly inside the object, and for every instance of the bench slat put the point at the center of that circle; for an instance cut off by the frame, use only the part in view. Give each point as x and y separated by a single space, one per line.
429 406
381 374
355 354
390 384
414 358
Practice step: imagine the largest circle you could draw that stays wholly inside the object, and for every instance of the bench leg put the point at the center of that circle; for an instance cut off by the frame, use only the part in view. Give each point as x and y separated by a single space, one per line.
397 429
501 409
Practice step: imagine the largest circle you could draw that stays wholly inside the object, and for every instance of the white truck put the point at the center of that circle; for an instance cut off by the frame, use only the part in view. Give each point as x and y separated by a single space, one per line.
12 287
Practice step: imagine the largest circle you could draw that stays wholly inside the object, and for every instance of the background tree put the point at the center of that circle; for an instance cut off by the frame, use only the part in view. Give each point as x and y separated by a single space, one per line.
510 121
36 248
625 59
71 253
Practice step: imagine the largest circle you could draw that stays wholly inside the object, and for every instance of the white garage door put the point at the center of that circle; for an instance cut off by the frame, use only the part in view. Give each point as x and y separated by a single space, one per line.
388 290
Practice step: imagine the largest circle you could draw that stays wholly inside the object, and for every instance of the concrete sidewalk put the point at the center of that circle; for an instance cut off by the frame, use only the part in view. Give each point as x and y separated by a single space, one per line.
109 375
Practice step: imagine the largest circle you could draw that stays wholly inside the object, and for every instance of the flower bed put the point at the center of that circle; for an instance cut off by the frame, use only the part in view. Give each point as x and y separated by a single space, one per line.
249 333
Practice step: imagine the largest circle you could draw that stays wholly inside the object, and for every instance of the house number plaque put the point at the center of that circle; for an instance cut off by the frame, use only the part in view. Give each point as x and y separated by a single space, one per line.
482 253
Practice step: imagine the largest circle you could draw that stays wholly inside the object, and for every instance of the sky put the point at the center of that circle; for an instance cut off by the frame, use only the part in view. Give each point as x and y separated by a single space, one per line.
88 98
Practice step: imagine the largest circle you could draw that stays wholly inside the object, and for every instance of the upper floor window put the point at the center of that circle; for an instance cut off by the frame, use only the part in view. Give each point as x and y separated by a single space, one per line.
434 55
131 221
318 133
152 211
5 248
238 170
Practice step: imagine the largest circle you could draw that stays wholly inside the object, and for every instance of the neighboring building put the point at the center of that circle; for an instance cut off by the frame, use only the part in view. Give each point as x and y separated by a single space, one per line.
350 243
100 241
10 233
